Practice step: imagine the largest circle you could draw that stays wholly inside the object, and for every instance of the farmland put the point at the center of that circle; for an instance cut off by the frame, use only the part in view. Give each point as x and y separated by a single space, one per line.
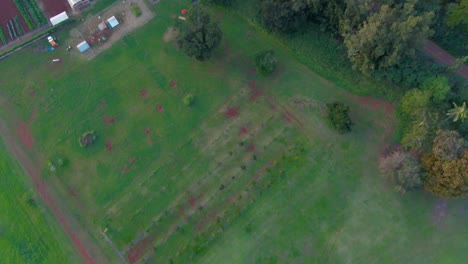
251 173
29 234
18 17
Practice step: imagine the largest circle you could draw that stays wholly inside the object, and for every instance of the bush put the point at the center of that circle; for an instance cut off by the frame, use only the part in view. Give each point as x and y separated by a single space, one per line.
401 169
189 99
87 139
338 117
135 10
266 61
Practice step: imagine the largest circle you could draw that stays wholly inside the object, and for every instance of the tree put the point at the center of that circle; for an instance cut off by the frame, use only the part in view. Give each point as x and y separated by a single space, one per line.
438 87
457 14
448 145
458 112
447 178
401 169
200 36
387 37
416 121
338 117
266 61
284 16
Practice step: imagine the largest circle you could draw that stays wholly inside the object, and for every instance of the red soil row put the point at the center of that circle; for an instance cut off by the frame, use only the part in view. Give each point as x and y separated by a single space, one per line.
53 7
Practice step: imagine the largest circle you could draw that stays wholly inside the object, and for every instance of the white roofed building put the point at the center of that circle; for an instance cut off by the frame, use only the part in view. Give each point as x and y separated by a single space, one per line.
78 5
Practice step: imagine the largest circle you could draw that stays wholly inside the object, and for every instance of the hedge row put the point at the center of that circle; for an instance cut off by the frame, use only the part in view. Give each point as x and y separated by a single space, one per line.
31 13
24 14
35 11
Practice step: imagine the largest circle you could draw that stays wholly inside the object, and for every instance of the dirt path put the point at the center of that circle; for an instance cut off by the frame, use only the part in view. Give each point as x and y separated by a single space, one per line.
83 243
433 50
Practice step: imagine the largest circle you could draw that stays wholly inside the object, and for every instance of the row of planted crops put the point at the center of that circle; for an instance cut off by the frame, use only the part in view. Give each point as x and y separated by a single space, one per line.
32 15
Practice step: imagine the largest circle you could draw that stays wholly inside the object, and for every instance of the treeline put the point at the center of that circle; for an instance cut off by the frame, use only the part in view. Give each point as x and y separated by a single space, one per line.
31 13
382 39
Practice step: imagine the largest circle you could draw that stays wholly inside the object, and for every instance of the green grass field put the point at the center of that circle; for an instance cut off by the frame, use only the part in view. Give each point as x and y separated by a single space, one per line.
28 233
270 184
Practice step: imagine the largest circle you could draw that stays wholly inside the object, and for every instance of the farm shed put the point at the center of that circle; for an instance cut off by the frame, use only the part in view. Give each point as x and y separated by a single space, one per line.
83 46
102 26
112 22
78 5
58 18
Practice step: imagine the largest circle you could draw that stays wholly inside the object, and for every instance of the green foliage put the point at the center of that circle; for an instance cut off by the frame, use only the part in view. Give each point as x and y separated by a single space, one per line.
458 14
24 14
387 37
401 169
200 36
135 10
284 16
87 139
3 37
28 232
415 119
188 100
438 87
458 113
338 117
223 2
447 178
266 62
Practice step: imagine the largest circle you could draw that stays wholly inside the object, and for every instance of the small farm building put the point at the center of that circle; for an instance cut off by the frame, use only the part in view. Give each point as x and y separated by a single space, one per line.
58 18
112 22
78 5
83 46
102 26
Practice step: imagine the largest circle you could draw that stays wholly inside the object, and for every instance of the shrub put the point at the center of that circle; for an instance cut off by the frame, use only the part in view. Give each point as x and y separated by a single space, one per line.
87 139
189 99
266 61
338 117
135 10
401 169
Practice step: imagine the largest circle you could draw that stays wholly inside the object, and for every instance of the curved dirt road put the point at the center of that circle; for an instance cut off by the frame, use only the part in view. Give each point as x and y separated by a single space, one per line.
436 52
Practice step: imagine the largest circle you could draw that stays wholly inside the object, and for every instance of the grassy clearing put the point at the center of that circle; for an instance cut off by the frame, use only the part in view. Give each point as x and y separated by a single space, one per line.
161 174
28 234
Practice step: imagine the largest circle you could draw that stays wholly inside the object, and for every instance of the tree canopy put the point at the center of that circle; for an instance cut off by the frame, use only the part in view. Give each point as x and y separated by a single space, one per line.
200 36
387 37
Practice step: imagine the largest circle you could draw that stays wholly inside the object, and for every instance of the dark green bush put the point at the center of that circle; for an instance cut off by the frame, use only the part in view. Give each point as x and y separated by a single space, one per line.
338 117
266 61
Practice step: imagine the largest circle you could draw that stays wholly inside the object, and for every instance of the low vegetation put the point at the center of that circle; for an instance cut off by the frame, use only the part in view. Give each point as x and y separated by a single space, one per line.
266 62
136 10
338 117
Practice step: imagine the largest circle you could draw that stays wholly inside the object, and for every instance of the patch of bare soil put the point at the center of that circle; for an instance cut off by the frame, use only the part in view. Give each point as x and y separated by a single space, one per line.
128 23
